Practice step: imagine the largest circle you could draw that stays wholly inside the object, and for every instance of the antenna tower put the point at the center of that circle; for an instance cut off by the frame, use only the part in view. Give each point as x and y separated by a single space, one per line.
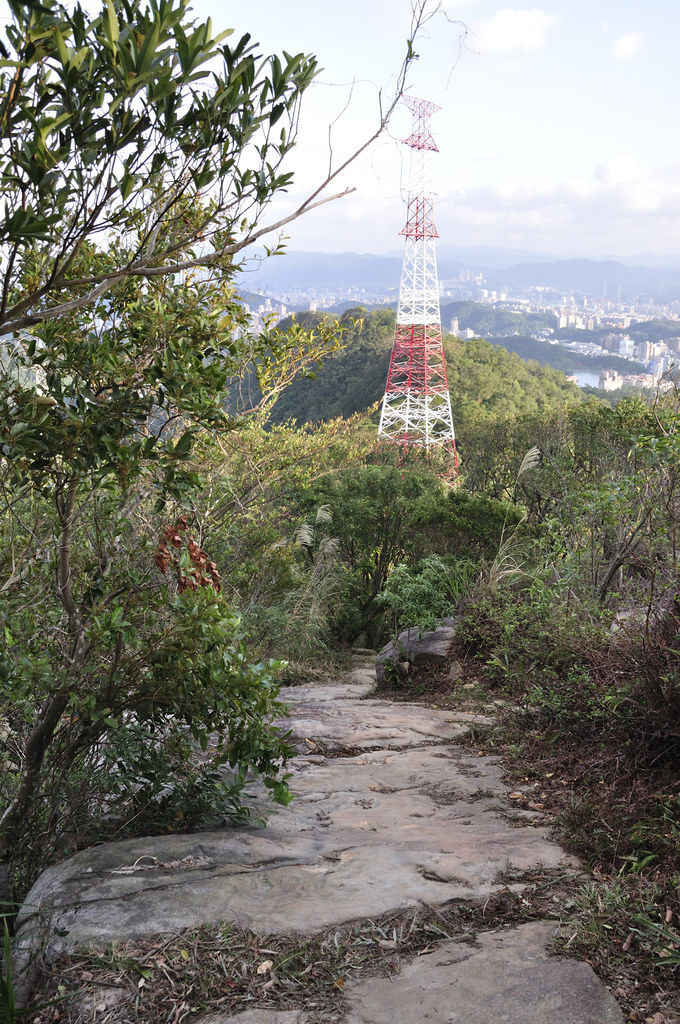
416 408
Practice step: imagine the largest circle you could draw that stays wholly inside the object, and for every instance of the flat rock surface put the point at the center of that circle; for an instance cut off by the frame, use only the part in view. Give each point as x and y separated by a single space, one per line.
366 834
506 977
336 718
345 724
388 812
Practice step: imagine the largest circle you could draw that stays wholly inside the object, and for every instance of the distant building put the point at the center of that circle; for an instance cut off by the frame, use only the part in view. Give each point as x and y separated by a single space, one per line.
657 368
626 346
610 380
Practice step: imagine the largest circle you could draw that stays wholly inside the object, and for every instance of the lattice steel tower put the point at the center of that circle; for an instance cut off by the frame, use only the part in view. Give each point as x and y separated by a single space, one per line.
416 409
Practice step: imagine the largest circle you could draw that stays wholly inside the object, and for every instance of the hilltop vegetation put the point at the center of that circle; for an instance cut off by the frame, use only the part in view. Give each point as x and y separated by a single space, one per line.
494 320
486 381
561 358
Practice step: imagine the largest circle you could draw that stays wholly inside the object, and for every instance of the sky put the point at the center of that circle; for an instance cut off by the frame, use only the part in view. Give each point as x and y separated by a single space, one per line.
557 133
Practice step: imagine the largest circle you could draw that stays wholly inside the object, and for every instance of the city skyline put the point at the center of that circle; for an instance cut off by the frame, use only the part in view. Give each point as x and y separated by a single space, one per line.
556 130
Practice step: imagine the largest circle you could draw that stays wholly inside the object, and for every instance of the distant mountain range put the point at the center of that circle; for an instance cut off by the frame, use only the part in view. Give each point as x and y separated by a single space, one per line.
613 279
602 278
322 270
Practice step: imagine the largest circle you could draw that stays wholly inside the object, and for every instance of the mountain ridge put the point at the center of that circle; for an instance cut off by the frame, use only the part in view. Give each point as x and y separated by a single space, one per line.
299 270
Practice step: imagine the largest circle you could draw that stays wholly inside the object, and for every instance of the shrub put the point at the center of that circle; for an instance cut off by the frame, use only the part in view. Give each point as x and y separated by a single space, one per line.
419 595
158 731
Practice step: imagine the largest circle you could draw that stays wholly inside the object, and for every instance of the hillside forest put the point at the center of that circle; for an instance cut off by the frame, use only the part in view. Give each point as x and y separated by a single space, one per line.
192 513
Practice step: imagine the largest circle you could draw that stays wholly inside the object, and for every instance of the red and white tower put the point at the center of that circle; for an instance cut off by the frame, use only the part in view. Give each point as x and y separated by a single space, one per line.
416 409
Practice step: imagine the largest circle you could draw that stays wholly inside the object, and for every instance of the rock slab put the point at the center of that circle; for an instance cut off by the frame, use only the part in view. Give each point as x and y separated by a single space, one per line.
504 977
334 720
365 835
408 819
507 977
388 813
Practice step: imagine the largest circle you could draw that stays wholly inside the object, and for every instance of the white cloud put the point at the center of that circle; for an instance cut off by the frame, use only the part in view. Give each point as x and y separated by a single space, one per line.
618 208
628 46
620 170
510 30
622 207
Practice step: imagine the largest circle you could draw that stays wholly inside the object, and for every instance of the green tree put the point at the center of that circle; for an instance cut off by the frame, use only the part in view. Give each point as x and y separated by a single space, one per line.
126 689
487 383
141 127
137 149
350 382
115 126
138 152
382 513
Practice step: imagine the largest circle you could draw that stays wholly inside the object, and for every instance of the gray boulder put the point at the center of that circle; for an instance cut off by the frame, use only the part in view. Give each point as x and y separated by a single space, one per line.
415 646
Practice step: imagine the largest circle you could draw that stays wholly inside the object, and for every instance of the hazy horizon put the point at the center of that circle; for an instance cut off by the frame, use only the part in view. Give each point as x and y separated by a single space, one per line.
448 251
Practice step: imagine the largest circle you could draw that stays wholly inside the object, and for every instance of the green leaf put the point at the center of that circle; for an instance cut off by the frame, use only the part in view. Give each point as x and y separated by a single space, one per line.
61 47
147 51
111 22
182 447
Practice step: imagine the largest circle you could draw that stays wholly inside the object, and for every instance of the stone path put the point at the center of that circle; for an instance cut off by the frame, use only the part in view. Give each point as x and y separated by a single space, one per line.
388 814
507 977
